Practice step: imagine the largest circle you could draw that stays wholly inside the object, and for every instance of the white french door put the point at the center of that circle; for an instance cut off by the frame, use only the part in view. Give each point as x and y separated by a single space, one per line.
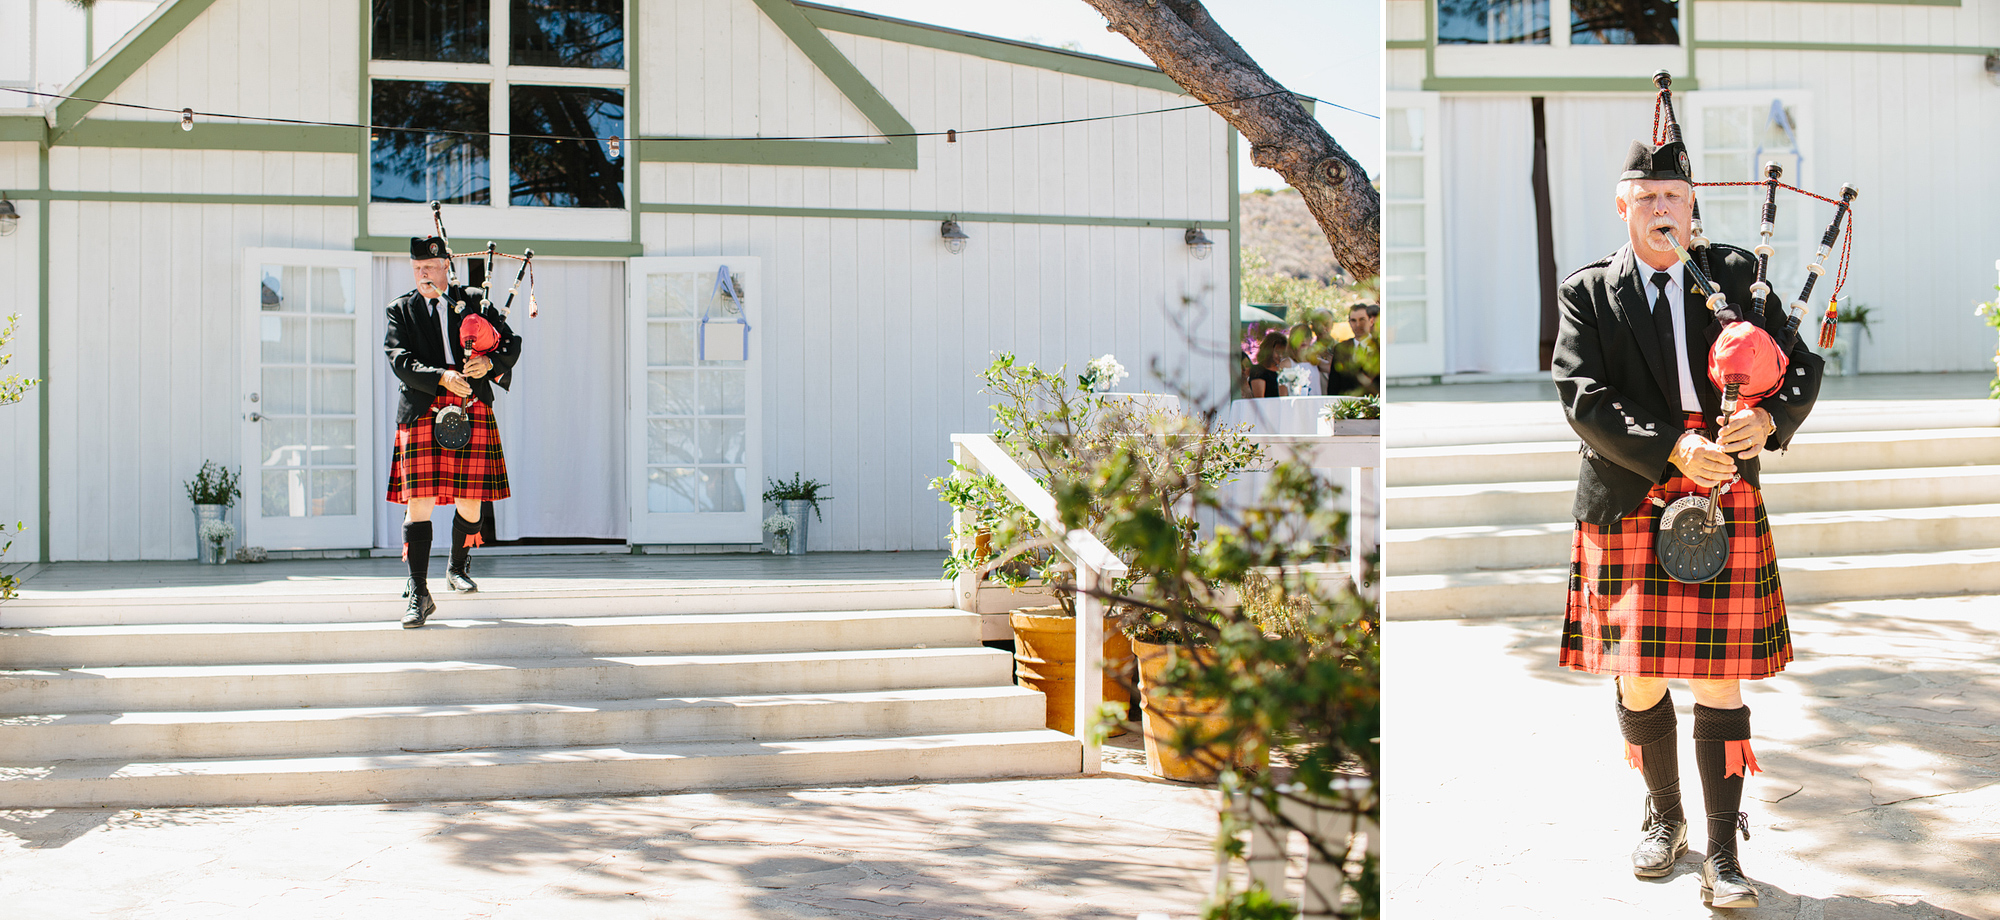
308 432
694 434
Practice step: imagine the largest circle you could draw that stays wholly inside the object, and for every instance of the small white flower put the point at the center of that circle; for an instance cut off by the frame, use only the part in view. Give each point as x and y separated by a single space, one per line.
780 524
217 531
1294 378
1980 310
1103 374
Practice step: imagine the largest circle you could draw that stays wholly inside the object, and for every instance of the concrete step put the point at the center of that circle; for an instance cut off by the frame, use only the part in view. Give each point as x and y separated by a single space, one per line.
1540 591
1813 452
464 639
1542 501
394 683
1797 535
332 603
27 740
651 768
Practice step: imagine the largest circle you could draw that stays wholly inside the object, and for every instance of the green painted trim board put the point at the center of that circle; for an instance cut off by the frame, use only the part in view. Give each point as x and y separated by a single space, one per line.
1836 46
167 135
597 249
24 128
1554 84
989 47
931 216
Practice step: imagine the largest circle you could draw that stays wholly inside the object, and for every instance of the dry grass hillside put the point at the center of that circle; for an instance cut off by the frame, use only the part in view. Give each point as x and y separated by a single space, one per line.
1277 226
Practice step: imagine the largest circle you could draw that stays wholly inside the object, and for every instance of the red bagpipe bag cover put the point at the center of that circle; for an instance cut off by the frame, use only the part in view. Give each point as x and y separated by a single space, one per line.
479 337
1746 355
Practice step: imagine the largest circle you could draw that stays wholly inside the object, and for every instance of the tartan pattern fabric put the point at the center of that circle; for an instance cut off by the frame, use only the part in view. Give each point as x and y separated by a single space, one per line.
421 469
1625 615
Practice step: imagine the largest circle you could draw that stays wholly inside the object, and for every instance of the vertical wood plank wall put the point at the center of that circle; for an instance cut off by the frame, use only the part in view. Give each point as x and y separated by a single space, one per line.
1911 128
20 292
874 333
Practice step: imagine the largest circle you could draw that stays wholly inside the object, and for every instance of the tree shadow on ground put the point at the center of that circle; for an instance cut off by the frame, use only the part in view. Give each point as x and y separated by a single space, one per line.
971 849
1880 745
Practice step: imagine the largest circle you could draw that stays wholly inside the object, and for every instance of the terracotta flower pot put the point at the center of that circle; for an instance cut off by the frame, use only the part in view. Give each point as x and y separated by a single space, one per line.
1165 713
1045 660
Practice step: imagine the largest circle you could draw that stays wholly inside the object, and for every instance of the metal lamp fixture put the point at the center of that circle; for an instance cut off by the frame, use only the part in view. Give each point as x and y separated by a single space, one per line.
9 218
1199 242
954 238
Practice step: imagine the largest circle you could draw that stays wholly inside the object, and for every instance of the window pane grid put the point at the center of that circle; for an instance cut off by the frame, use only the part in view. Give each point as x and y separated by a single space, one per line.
307 433
697 423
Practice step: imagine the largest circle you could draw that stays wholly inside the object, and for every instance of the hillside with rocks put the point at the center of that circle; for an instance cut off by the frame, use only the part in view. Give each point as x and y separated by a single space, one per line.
1277 226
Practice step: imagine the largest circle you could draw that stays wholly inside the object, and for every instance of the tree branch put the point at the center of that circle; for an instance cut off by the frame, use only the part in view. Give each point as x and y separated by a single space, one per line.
1185 42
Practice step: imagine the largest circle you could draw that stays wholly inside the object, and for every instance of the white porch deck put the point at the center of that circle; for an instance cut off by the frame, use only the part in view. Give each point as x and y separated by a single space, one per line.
359 590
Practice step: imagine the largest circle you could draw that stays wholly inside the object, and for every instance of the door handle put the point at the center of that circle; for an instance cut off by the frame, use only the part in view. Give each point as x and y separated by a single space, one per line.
255 416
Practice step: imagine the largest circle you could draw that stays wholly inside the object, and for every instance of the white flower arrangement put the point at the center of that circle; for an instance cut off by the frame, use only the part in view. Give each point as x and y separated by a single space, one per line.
1102 374
1296 379
780 525
217 532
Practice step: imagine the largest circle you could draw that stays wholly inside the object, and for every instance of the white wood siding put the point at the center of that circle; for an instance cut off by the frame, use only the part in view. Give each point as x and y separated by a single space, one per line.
201 172
721 68
20 423
287 58
144 307
875 335
1914 133
1170 166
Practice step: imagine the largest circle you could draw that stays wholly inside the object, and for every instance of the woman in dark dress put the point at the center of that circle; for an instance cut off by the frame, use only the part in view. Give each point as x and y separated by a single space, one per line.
1263 380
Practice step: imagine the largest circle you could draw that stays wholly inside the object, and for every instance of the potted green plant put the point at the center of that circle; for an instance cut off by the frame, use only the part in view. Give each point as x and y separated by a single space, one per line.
794 499
213 490
1854 315
1059 433
1353 415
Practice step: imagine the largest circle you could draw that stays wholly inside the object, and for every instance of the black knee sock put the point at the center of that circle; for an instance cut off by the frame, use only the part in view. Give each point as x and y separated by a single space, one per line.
417 551
464 536
1722 756
1649 736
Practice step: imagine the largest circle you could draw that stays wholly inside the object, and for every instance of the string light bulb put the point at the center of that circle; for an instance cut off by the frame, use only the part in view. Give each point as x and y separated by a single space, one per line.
187 119
614 146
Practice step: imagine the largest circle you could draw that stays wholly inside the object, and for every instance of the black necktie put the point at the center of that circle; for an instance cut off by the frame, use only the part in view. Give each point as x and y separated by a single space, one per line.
1663 324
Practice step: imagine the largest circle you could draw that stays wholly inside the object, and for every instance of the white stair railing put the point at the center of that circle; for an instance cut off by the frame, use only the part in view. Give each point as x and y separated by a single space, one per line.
1094 563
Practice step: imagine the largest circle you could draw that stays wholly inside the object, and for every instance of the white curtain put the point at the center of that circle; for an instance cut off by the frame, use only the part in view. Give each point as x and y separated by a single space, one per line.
1492 313
1588 139
563 423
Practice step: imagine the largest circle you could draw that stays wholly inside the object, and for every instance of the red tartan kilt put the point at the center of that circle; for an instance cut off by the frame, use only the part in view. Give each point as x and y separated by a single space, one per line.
1625 615
422 469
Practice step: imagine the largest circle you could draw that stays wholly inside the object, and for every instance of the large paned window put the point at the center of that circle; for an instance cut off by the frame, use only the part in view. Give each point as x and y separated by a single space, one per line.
1624 22
1493 22
568 33
443 155
1528 22
1412 237
453 78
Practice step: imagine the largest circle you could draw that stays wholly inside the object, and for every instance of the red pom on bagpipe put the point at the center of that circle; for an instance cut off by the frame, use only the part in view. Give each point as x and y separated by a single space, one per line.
477 335
1746 355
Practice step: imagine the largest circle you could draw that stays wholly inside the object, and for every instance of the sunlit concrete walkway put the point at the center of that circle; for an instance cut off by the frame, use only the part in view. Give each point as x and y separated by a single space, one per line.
1111 846
1507 794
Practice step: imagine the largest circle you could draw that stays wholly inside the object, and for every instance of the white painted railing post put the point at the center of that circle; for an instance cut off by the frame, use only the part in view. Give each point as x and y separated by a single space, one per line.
1089 662
964 588
1093 561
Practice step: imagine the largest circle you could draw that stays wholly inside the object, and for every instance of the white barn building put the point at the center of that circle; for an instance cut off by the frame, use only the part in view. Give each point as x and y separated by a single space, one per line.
217 293
1898 98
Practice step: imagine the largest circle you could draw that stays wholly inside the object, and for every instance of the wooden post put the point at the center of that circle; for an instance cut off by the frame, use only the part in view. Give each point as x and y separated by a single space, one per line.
1089 662
964 588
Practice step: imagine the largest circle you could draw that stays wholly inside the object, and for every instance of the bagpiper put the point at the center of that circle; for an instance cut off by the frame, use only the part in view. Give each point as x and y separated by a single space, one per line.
448 346
1633 365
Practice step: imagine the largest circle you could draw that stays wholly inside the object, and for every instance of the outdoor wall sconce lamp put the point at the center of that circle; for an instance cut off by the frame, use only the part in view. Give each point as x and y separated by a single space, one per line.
1199 242
9 218
954 238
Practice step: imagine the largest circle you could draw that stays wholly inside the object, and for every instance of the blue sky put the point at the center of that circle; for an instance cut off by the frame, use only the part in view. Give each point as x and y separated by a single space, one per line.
1329 49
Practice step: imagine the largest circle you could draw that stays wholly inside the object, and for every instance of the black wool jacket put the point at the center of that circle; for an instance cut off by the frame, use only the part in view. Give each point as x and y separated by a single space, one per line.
420 358
1619 390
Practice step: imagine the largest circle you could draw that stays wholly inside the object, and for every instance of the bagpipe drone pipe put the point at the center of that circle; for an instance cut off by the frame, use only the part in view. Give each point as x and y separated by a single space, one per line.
1747 363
